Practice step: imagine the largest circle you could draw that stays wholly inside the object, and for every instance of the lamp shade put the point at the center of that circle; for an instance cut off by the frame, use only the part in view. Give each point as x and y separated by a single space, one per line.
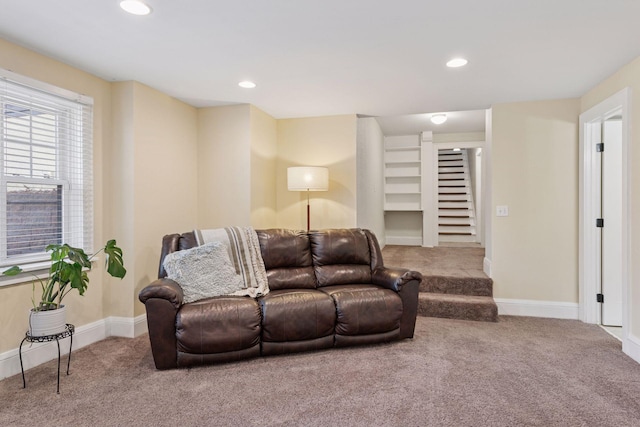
307 178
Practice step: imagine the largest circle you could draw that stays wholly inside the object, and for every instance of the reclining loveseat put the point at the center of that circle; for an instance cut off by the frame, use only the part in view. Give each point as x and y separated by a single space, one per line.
327 288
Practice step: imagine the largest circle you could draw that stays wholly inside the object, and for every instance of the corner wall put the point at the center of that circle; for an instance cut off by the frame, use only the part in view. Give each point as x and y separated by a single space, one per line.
224 166
155 183
318 141
264 158
370 178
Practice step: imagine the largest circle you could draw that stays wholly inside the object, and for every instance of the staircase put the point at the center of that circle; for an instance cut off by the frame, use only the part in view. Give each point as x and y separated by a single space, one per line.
453 283
466 298
456 211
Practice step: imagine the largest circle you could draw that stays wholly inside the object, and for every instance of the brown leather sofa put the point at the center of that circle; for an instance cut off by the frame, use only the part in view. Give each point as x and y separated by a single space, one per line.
327 288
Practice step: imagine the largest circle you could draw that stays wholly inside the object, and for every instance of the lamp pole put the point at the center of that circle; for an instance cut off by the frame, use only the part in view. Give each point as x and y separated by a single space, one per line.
308 213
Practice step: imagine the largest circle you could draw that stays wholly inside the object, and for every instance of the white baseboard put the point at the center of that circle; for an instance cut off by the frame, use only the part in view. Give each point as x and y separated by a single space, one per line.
408 241
34 354
631 347
486 266
552 309
127 327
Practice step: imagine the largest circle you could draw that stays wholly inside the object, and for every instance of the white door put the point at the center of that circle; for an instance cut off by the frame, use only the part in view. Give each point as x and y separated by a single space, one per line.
604 253
611 202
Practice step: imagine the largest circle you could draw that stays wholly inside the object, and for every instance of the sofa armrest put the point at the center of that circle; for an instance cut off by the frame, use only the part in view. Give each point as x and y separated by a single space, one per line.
164 289
162 300
407 284
394 278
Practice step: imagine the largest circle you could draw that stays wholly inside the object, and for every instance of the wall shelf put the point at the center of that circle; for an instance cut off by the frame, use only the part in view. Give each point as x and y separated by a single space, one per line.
403 192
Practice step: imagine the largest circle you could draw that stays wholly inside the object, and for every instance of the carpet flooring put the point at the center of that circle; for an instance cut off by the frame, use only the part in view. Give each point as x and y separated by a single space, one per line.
453 285
437 261
516 372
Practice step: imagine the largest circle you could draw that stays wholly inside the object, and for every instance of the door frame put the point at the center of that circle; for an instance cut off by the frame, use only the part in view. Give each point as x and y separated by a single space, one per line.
431 221
589 187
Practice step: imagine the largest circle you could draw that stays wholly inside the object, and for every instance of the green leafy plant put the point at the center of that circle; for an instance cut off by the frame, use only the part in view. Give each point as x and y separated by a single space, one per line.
68 271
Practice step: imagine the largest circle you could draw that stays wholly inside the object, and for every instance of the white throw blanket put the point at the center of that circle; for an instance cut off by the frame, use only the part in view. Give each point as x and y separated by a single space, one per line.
244 252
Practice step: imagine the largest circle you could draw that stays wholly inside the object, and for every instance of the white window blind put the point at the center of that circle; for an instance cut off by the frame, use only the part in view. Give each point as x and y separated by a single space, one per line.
46 177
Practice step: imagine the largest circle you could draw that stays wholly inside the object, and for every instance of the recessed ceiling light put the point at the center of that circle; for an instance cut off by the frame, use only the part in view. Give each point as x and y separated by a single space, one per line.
438 119
457 62
247 84
135 7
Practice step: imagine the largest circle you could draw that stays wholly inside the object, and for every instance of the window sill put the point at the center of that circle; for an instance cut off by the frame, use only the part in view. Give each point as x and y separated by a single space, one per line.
37 269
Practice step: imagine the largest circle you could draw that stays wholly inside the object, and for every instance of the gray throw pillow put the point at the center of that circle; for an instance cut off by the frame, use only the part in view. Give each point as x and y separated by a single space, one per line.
203 272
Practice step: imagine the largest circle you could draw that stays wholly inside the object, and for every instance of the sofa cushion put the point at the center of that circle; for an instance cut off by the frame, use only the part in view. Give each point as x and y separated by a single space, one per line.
296 315
340 256
203 272
287 259
218 325
365 309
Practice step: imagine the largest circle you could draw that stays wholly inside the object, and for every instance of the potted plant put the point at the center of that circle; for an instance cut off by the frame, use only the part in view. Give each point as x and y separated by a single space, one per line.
68 271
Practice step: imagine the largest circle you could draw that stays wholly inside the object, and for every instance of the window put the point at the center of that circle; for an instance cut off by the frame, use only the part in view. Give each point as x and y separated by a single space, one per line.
45 170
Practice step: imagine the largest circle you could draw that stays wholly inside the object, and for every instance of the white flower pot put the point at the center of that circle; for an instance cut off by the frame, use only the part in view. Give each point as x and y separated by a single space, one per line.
49 322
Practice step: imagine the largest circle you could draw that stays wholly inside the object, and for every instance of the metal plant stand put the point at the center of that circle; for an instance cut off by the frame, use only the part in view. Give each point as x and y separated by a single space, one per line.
68 332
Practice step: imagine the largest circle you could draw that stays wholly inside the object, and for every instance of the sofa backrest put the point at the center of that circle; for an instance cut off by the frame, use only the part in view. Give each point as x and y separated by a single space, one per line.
287 259
341 256
297 259
172 243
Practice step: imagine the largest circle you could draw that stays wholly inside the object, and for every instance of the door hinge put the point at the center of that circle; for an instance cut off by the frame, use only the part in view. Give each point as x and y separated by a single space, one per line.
600 222
600 297
600 147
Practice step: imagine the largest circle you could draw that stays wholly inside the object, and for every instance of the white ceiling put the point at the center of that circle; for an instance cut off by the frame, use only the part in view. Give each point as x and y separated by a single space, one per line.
325 57
413 124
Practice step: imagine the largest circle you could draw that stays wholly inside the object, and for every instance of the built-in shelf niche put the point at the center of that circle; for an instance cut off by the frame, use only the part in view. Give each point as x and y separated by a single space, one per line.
403 189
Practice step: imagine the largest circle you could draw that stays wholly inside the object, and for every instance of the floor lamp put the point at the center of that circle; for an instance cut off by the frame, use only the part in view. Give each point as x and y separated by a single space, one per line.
308 178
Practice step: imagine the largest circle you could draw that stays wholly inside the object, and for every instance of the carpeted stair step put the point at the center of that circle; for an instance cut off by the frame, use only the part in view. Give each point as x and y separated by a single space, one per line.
452 306
477 286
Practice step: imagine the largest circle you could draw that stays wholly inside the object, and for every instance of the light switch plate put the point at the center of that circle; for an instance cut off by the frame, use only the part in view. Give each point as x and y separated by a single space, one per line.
502 210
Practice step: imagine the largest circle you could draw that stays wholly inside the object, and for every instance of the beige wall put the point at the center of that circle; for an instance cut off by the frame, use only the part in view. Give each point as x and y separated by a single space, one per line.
264 157
15 301
153 135
535 173
224 166
165 178
318 141
627 76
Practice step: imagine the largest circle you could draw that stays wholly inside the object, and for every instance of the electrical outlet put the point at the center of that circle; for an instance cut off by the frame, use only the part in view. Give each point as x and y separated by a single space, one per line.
502 210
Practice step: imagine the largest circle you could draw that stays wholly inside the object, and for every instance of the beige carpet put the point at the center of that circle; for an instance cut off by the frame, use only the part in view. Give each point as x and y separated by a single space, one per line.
453 285
438 261
517 372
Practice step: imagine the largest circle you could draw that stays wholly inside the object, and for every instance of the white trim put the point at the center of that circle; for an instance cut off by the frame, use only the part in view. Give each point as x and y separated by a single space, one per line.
631 347
428 185
486 266
36 354
534 308
45 87
127 327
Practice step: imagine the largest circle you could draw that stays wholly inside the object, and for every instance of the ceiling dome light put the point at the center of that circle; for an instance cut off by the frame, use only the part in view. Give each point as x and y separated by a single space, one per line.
135 7
438 119
247 84
457 62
